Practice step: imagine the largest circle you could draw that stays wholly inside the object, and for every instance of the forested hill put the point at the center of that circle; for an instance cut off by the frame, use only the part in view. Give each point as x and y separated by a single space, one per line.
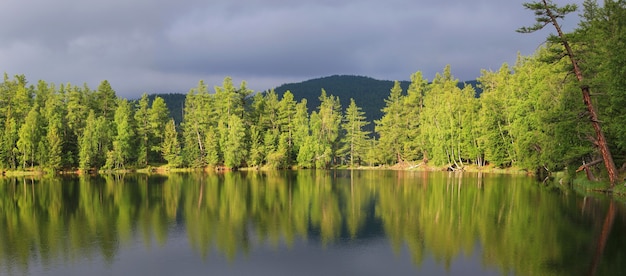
175 103
368 93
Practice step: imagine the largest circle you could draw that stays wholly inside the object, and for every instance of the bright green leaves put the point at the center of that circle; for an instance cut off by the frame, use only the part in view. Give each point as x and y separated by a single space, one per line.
391 127
170 149
355 139
235 147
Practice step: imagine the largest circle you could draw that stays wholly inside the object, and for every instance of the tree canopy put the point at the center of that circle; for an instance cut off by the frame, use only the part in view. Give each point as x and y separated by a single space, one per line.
528 115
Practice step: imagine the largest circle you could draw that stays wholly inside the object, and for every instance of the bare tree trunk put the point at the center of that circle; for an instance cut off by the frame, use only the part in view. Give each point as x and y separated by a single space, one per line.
593 115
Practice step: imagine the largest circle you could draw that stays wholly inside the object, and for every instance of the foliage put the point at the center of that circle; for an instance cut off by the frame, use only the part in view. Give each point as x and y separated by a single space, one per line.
527 115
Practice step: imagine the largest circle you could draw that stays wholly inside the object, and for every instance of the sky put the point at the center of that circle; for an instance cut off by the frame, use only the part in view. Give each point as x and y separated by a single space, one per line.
164 46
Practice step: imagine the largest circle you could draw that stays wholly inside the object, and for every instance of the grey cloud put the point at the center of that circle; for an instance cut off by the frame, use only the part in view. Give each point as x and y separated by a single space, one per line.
167 46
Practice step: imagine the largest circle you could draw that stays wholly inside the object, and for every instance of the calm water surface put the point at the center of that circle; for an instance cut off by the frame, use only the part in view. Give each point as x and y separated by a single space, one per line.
306 223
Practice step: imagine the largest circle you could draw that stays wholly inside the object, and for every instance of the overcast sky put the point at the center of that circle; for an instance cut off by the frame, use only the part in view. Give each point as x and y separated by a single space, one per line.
165 46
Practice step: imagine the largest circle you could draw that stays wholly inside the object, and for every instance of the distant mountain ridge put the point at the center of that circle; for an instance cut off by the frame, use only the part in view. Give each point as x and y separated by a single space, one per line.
367 92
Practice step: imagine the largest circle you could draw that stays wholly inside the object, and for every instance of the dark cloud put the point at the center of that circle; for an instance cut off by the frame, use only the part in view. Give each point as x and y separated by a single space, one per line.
167 46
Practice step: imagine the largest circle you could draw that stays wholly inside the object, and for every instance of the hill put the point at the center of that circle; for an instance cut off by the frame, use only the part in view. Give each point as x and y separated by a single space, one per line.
175 103
368 93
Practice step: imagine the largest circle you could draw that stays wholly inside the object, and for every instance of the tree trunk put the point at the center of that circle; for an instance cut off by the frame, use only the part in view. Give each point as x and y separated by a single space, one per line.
593 116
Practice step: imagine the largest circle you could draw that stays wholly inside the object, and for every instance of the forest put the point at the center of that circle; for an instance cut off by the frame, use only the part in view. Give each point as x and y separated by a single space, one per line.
528 116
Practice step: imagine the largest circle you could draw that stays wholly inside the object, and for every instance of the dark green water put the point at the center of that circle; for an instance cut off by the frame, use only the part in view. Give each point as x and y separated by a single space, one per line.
306 223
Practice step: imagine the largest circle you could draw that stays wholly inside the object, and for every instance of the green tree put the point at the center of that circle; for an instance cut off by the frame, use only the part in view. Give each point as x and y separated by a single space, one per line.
235 150
326 128
355 139
105 101
159 117
443 120
170 148
257 148
496 116
122 144
29 137
8 152
194 125
599 43
413 105
88 143
54 142
54 136
143 129
391 128
212 145
546 13
301 123
286 120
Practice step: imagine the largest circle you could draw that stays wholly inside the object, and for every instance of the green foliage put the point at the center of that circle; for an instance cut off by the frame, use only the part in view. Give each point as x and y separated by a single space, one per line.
105 101
88 146
544 12
528 115
29 137
143 129
170 149
600 43
122 144
355 138
235 148
391 127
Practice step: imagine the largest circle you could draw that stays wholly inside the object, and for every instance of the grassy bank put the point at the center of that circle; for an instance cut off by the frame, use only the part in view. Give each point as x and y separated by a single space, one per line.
582 184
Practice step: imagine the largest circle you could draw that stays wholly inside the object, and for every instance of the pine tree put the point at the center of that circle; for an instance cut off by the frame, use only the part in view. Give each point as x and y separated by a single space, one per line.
391 127
122 144
327 129
212 145
170 148
356 139
257 149
105 101
29 137
159 118
286 121
301 131
413 105
546 13
195 124
143 129
88 147
53 142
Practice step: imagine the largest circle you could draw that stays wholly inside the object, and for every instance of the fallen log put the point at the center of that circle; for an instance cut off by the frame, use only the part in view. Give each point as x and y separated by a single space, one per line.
586 166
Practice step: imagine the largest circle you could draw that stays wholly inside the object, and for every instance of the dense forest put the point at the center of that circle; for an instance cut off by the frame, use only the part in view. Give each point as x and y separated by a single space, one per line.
529 115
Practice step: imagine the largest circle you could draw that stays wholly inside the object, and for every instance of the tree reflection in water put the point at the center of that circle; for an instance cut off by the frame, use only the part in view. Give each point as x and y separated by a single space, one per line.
518 226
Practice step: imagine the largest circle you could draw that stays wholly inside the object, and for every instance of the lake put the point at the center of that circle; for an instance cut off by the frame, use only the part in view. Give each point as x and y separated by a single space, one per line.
307 222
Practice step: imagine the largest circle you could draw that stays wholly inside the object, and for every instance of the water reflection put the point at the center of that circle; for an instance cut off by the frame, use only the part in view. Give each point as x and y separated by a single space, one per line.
507 223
